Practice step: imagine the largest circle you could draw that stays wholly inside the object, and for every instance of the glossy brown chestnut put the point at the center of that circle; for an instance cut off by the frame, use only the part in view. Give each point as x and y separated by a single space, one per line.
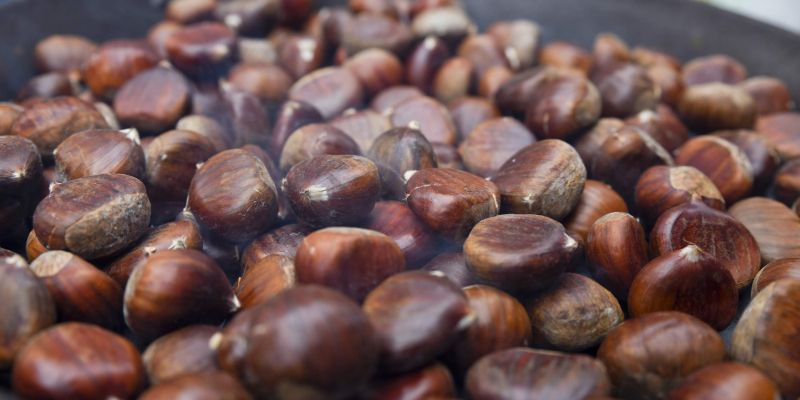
662 187
663 125
153 101
203 51
616 248
8 114
291 116
787 182
484 52
49 85
647 356
158 34
323 345
781 131
591 142
172 161
280 241
519 40
454 267
376 69
314 140
431 382
715 106
625 89
669 82
544 178
764 159
403 150
363 126
26 307
20 168
204 385
468 112
773 225
266 81
183 352
575 314
566 55
686 280
365 31
726 380
519 253
609 50
491 143
714 232
265 279
351 260
428 116
423 62
722 162
301 54
493 79
713 68
441 18
86 362
785 268
333 189
233 195
417 316
396 220
114 63
770 94
209 128
64 53
597 199
80 291
528 373
99 151
330 90
48 122
249 18
386 100
162 294
454 80
765 335
94 216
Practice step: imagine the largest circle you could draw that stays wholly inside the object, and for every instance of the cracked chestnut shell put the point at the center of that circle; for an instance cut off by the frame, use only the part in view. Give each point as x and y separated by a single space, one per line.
417 316
93 217
519 253
100 151
322 345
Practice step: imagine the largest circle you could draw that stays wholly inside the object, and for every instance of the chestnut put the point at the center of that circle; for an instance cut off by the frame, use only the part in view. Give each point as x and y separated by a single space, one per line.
725 164
313 140
668 80
785 268
172 160
65 53
493 79
447 156
544 178
453 265
81 292
428 116
330 90
300 54
376 69
519 40
530 374
764 160
764 335
26 307
597 199
491 143
770 94
280 241
609 50
387 99
245 117
423 62
352 260
687 280
8 114
663 125
484 52
210 385
575 314
333 189
787 182
417 316
662 187
180 353
153 101
772 224
20 167
114 63
468 112
647 356
450 201
714 232
403 150
248 18
291 116
45 86
85 361
255 50
616 248
94 216
625 89
367 30
713 68
99 151
178 278
396 220
190 11
780 130
33 247
454 80
247 203
158 34
207 127
327 347
48 122
203 51
716 106
519 253
363 126
726 380
264 279
441 18
566 55
433 381
591 143
268 82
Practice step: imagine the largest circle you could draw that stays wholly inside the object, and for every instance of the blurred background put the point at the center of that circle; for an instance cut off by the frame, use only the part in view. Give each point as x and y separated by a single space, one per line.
783 13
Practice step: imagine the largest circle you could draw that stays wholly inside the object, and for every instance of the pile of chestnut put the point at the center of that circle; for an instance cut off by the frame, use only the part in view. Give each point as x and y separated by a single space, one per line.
261 200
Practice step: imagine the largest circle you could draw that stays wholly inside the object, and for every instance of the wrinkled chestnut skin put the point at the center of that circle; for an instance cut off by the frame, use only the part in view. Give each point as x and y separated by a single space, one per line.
351 260
417 316
183 234
781 131
48 122
649 355
597 199
63 53
204 385
330 90
96 152
725 164
334 348
203 51
716 106
686 280
625 89
773 225
333 189
574 315
616 248
233 195
786 268
153 101
522 373
662 187
80 291
544 178
428 116
280 241
115 63
26 307
714 232
178 278
765 336
264 279
450 201
172 160
519 253
434 381
313 140
726 380
94 216
87 362
396 220
453 266
493 142
20 167
183 352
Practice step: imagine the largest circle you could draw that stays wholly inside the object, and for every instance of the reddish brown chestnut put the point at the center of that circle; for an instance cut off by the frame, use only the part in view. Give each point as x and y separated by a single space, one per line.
403 150
663 125
724 164
785 268
455 79
770 94
376 69
8 114
396 220
454 267
491 143
386 100
314 140
713 68
265 279
209 128
763 158
715 106
561 105
20 167
428 116
291 116
662 187
153 101
363 126
33 247
726 380
203 51
183 352
433 382
610 50
114 63
566 55
96 152
367 30
781 131
616 248
773 225
172 161
330 90
204 385
519 253
787 182
66 53
470 111
591 142
423 62
647 356
417 316
625 89
45 86
597 199
266 81
280 241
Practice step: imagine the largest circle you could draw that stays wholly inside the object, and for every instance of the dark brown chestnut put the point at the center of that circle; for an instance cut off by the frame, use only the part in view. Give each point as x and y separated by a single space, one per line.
376 69
713 68
203 385
114 63
662 187
781 131
423 62
172 160
428 116
330 90
207 127
770 94
291 116
45 86
396 220
663 125
726 380
153 101
764 160
716 106
566 55
314 140
99 151
203 51
616 248
301 54
722 162
591 142
785 268
183 352
280 241
430 382
625 89
597 199
772 224
404 150
20 168
491 143
265 279
453 265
